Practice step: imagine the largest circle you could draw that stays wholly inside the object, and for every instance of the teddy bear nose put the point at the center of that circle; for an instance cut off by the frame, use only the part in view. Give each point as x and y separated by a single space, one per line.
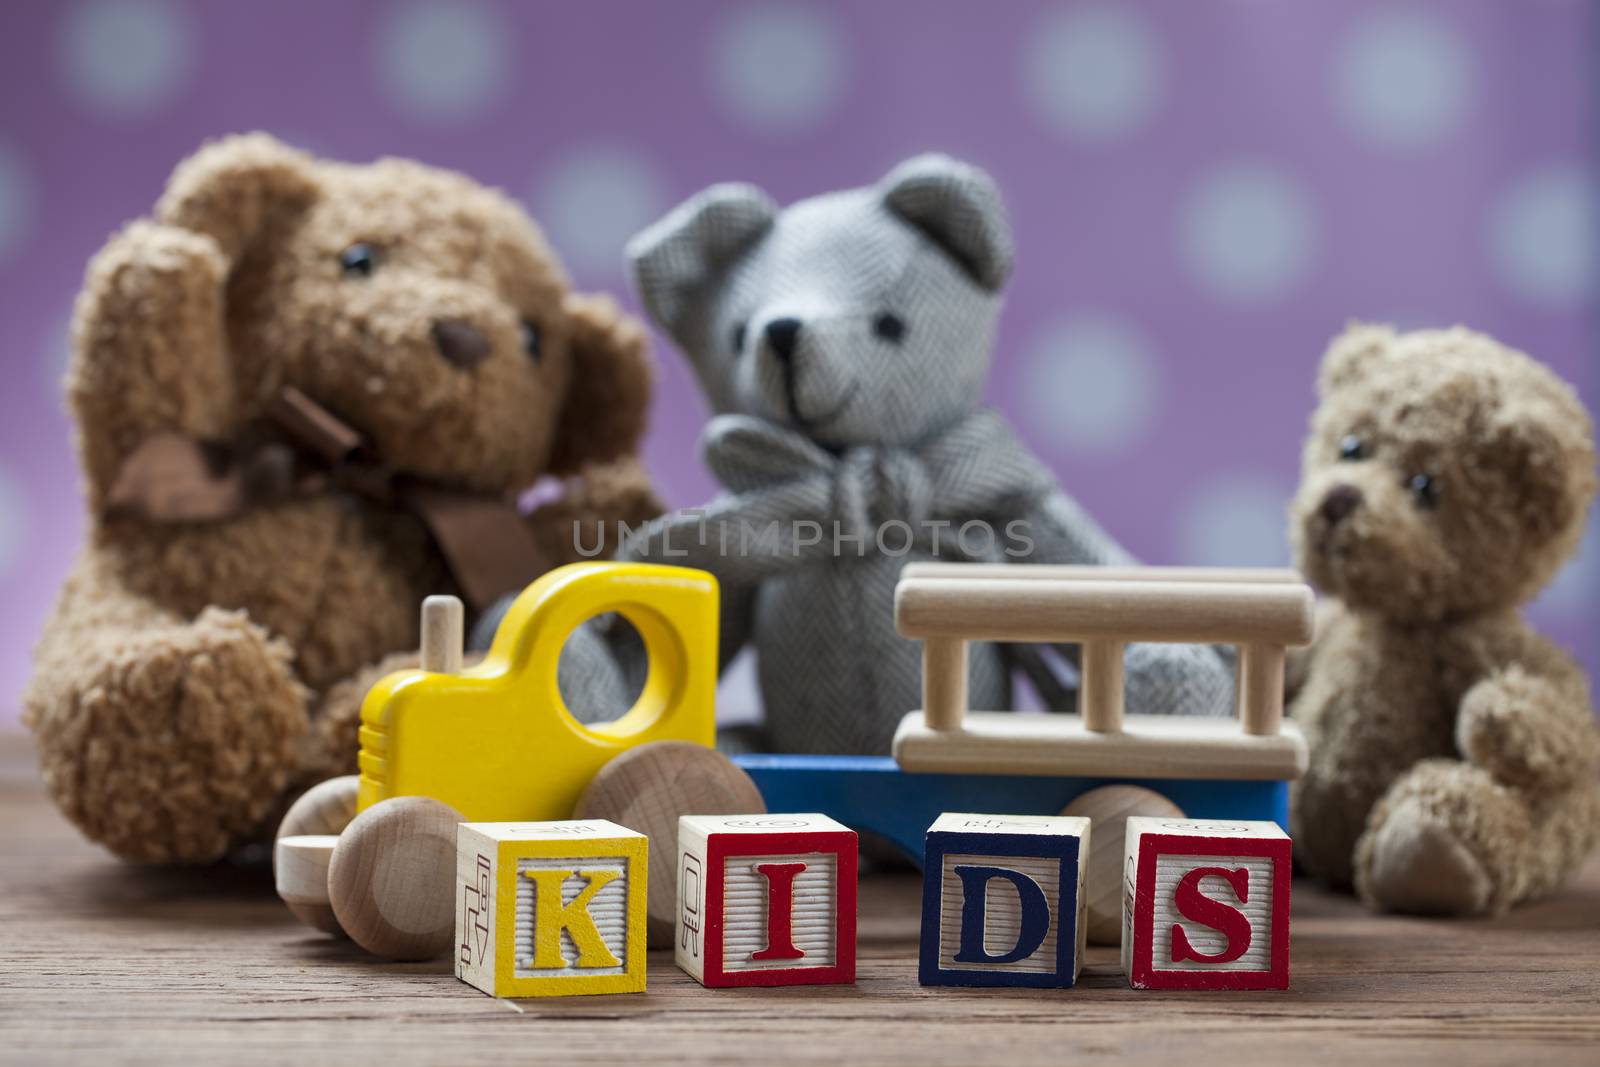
782 335
460 342
1339 503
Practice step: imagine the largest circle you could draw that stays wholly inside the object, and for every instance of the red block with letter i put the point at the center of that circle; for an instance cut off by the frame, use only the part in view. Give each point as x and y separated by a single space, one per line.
766 900
1205 904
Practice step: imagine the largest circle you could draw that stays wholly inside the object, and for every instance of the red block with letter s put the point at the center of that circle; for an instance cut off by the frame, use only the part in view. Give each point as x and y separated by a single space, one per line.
1205 904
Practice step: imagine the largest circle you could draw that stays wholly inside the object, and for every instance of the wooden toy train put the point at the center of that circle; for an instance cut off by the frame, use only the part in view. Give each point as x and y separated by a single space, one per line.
947 758
494 745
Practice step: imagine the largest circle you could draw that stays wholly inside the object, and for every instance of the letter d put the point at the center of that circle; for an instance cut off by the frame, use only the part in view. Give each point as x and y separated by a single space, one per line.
1035 917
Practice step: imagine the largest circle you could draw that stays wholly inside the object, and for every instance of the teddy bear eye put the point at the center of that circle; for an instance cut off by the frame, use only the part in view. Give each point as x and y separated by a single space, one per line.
738 337
1425 489
531 339
1352 447
359 260
889 326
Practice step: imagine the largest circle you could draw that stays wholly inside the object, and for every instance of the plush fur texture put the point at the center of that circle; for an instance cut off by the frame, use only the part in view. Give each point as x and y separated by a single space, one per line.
192 673
1454 752
845 341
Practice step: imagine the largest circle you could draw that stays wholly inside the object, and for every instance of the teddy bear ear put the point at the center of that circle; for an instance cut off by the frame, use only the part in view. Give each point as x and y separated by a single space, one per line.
604 414
1353 354
673 260
1545 445
958 207
231 189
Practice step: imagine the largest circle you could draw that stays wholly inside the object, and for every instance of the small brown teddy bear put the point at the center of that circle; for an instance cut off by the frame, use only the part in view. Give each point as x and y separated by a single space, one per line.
1454 752
193 671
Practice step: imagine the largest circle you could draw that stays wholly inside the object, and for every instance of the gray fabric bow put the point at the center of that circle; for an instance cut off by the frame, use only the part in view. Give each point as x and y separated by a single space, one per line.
976 470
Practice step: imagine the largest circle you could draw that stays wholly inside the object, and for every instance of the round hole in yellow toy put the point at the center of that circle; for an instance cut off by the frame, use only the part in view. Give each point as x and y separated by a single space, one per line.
662 680
603 669
667 606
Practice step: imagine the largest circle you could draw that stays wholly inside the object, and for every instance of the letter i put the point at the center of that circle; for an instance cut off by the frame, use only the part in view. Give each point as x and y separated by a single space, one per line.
780 911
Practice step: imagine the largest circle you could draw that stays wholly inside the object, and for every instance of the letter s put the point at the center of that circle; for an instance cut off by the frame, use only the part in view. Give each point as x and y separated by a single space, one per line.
1224 918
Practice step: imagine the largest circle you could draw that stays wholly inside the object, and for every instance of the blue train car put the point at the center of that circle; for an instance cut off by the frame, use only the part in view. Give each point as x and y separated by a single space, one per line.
871 794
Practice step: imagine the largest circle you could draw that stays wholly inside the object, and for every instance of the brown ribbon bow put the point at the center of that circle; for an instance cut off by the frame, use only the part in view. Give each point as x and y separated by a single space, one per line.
301 449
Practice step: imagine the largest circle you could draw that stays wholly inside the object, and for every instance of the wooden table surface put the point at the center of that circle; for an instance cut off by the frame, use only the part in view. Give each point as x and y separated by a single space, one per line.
108 963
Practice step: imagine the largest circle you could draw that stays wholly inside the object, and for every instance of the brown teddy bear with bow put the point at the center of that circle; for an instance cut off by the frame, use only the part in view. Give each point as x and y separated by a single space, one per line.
307 395
1454 751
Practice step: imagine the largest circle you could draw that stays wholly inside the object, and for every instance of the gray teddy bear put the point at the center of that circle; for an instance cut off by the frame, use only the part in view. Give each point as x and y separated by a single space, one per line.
844 342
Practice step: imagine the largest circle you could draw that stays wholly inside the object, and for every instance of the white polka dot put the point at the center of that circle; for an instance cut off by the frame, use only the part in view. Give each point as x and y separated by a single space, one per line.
739 691
1238 520
778 67
443 61
593 200
1542 236
58 354
1403 78
14 520
1576 587
313 144
1092 72
16 202
126 58
1249 233
1088 384
1403 319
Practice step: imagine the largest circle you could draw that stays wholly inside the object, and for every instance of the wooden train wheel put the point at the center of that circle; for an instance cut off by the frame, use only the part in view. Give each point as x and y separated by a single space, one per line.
1109 808
647 788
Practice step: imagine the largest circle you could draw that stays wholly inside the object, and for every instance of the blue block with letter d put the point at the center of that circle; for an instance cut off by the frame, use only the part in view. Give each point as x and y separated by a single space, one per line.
1002 900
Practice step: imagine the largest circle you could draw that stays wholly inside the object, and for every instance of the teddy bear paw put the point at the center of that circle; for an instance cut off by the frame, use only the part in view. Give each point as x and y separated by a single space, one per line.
178 745
1414 864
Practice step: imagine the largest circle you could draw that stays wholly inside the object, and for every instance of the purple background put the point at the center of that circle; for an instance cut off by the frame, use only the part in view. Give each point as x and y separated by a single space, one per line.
1203 193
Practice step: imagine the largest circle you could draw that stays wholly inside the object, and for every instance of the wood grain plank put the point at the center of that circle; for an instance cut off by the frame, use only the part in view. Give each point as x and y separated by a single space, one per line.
104 962
1029 609
1146 746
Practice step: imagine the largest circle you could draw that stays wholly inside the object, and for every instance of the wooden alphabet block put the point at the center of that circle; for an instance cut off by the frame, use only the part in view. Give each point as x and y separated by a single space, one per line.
1003 899
1205 904
766 900
549 909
